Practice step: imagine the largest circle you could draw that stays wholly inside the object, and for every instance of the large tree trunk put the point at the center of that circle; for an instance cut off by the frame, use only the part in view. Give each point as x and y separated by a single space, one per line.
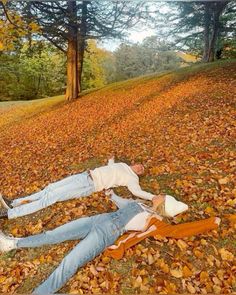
82 40
207 20
73 87
219 7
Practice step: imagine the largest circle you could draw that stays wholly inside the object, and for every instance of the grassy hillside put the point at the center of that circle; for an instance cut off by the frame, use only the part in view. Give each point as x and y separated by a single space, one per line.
182 126
15 111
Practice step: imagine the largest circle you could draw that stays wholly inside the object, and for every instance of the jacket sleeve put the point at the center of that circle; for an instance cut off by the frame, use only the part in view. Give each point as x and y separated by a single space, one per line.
136 190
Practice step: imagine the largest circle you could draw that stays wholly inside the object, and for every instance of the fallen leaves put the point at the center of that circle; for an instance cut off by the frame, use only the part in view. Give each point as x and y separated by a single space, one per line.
177 273
183 133
182 245
226 255
224 180
187 272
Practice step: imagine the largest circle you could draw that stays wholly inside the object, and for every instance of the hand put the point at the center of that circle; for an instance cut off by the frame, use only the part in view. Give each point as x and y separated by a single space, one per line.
159 217
111 157
157 200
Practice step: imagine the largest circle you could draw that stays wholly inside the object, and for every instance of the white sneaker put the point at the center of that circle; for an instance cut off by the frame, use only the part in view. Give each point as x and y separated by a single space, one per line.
7 243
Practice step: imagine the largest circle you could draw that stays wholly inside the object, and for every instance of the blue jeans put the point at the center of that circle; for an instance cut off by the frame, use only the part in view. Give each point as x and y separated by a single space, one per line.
75 186
97 233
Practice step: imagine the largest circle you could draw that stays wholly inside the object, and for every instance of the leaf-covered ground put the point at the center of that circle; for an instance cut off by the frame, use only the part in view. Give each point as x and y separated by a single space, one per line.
182 127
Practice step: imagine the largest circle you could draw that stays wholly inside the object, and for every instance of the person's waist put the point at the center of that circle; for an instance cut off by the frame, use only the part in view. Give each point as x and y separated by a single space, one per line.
133 209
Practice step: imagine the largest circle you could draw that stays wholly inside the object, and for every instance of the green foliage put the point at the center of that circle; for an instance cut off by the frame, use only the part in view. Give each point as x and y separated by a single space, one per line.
31 72
151 56
188 24
98 68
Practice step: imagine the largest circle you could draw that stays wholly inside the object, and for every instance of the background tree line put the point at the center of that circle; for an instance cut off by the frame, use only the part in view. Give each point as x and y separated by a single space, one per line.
205 28
40 70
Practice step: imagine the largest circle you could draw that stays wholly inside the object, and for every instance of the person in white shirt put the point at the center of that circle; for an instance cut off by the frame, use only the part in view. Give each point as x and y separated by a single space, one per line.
77 186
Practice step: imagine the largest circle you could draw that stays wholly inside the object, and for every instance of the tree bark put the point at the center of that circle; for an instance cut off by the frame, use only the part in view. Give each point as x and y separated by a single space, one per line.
207 16
82 40
73 88
219 7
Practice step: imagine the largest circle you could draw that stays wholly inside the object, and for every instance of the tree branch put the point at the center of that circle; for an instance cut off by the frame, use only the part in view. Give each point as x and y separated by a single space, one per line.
8 17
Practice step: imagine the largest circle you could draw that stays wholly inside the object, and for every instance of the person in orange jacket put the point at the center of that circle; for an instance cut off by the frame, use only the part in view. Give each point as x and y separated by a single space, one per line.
150 224
100 232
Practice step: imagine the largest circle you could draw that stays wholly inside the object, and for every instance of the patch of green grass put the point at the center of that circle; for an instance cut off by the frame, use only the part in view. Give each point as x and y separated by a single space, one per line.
31 283
168 177
122 267
216 142
33 253
88 164
200 205
165 180
8 255
229 243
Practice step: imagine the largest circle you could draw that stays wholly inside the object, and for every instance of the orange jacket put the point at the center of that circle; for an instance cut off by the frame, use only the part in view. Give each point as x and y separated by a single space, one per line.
157 227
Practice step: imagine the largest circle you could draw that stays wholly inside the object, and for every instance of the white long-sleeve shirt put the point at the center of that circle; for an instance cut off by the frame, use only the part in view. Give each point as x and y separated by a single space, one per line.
118 174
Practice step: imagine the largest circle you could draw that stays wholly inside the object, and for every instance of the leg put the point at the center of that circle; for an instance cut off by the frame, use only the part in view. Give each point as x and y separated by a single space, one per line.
84 252
40 194
71 187
56 185
77 229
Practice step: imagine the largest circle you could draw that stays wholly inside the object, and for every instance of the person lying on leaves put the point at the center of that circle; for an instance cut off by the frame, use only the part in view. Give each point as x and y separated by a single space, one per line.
77 186
99 232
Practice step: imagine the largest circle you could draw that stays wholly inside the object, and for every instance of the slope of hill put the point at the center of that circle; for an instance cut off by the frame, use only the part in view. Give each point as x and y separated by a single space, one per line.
182 127
14 111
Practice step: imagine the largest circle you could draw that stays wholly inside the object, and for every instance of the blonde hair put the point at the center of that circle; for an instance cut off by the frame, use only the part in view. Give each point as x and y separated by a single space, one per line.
161 209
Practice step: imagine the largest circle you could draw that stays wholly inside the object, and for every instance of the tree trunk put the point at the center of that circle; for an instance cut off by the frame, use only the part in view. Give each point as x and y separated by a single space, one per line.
73 88
207 20
82 40
219 7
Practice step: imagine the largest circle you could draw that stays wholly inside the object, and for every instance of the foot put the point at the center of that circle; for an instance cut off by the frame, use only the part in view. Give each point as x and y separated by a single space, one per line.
3 213
217 220
6 203
7 243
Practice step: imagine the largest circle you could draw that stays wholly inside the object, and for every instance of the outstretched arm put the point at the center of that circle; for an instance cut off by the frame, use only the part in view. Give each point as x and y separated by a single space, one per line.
136 190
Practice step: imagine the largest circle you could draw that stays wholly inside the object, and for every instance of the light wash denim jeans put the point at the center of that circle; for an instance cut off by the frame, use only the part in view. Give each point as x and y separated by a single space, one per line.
75 186
97 233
